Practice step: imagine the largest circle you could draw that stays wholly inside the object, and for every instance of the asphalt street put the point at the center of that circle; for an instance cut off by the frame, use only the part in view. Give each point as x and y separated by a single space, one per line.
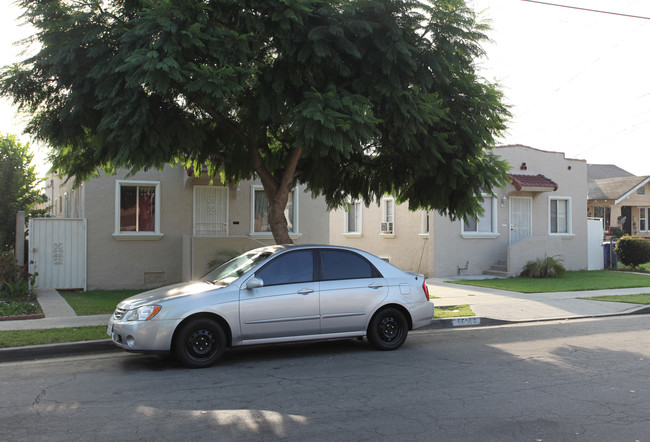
581 380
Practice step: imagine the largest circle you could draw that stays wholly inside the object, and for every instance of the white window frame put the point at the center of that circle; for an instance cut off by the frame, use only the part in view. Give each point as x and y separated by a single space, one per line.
425 223
195 207
645 211
569 218
386 216
295 233
156 234
494 228
358 231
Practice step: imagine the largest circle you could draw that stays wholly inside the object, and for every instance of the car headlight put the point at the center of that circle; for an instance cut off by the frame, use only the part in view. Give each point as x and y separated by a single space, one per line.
143 313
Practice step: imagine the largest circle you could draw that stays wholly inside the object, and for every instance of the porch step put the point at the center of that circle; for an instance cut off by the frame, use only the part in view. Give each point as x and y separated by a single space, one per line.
499 269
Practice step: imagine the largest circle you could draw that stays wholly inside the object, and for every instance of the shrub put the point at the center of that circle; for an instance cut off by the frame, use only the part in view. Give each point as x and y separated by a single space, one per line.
549 267
221 256
616 232
632 251
15 280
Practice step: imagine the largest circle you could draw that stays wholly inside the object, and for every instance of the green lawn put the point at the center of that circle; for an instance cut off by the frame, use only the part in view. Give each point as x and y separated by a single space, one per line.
570 281
642 268
96 302
453 311
19 338
632 299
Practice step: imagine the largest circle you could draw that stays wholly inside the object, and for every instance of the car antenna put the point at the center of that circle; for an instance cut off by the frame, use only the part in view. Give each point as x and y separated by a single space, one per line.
420 263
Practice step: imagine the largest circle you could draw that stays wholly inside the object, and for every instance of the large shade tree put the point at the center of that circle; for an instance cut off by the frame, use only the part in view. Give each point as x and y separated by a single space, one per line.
352 98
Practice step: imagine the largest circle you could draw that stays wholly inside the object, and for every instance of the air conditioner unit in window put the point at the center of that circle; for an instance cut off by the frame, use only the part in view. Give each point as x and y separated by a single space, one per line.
386 227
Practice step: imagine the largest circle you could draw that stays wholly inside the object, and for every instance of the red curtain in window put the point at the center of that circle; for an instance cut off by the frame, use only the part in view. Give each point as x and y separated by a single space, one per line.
147 209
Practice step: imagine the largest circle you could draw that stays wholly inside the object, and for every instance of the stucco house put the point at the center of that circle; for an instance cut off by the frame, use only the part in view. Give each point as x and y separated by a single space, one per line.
160 227
541 212
620 199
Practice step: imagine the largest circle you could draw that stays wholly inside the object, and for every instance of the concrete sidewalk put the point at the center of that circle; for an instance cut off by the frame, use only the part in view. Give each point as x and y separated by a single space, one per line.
492 307
505 306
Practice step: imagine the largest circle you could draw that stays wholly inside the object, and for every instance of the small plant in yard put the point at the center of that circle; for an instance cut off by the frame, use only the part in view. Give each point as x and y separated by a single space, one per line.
549 267
632 251
15 280
221 256
16 297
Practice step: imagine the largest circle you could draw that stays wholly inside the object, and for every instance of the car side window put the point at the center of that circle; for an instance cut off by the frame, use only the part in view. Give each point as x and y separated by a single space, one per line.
338 264
288 268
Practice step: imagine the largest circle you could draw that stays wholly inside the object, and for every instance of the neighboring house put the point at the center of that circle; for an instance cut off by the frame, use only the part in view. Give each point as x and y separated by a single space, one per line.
621 201
161 227
540 213
602 171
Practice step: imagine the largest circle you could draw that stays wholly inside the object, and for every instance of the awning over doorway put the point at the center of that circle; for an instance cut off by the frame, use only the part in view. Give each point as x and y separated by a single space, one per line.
532 183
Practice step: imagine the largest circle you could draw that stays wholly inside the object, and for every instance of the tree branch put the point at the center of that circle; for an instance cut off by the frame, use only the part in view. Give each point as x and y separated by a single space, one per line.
220 118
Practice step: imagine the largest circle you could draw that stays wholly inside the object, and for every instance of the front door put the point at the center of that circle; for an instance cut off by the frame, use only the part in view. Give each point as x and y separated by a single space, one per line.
521 218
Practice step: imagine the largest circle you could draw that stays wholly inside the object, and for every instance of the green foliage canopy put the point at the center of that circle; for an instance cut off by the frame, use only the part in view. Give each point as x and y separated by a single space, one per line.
352 98
19 183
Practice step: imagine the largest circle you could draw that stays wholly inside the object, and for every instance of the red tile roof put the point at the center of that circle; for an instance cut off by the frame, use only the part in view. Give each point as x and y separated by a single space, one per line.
520 181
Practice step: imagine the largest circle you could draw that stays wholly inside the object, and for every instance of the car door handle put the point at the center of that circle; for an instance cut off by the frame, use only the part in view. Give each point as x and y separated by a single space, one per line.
375 285
305 291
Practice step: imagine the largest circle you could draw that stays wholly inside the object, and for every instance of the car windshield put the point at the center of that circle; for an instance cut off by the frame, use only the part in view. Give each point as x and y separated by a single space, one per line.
229 271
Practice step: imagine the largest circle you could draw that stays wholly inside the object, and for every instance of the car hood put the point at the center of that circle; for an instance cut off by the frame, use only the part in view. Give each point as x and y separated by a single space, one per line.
168 293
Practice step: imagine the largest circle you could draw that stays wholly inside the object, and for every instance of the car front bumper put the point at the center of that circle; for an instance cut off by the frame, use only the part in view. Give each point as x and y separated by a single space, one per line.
143 336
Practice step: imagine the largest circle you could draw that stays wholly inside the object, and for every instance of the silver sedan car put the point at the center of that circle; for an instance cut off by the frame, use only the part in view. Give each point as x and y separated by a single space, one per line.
276 294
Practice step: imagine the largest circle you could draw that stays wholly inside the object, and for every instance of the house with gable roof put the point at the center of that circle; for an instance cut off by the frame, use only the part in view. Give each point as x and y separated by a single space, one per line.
620 199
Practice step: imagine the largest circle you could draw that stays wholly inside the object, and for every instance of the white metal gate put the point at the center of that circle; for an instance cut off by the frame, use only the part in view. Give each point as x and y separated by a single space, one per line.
57 252
595 258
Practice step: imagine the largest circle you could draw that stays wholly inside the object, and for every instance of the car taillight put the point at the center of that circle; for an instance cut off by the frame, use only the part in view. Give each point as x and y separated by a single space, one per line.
426 290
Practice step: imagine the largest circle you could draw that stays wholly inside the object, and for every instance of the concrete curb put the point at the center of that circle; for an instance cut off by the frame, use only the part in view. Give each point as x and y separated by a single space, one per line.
476 321
34 352
31 352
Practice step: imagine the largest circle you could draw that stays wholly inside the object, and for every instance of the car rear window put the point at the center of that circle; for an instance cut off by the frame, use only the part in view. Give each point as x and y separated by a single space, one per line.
338 264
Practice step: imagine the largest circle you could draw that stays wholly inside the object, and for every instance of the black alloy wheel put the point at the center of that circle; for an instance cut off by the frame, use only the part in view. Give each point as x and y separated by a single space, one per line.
388 329
200 343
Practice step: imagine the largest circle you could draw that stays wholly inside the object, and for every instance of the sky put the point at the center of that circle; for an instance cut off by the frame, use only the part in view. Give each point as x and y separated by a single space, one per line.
576 81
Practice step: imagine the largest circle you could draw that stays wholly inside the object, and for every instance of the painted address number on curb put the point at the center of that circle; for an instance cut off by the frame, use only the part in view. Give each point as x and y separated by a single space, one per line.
464 322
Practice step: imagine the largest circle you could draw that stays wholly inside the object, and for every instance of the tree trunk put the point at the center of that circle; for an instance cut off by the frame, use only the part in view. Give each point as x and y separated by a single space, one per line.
277 193
277 220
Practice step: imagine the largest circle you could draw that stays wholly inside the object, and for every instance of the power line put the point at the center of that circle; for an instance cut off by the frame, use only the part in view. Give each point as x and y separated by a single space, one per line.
587 9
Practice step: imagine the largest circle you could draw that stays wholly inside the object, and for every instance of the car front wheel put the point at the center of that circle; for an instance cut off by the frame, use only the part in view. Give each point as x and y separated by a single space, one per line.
200 343
388 329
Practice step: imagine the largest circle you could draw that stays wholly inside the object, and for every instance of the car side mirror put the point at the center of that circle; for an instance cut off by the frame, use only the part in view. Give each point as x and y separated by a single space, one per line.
254 283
